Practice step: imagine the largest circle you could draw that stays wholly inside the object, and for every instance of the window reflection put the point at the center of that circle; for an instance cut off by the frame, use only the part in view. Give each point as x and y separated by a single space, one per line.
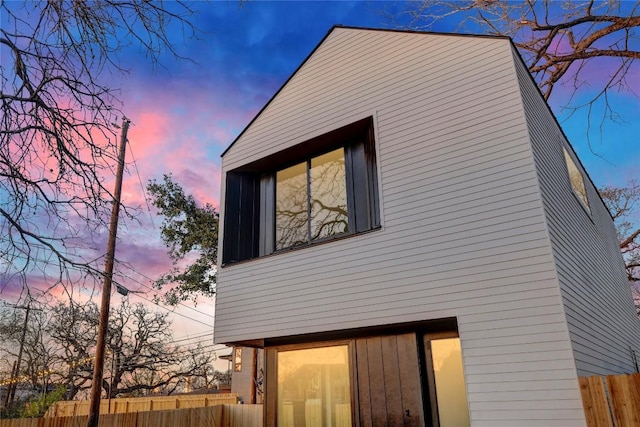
291 206
451 392
577 182
311 200
328 195
313 387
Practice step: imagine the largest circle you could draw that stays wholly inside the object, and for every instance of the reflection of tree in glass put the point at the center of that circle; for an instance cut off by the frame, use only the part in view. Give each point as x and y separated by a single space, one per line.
328 195
291 206
578 184
576 180
300 217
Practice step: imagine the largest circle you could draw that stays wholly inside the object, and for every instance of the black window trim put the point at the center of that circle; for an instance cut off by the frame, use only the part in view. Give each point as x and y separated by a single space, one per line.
250 192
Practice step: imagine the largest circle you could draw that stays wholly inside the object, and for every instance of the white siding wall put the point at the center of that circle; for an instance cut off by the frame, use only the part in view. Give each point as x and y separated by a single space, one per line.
597 297
463 234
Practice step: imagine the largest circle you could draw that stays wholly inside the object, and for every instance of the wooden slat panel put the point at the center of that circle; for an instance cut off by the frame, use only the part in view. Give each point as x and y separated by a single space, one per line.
364 388
634 393
271 388
392 390
410 387
236 416
376 382
623 394
136 404
595 404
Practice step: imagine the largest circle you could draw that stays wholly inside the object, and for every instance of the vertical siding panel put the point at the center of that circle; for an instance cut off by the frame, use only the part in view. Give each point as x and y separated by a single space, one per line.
377 383
410 386
390 368
364 383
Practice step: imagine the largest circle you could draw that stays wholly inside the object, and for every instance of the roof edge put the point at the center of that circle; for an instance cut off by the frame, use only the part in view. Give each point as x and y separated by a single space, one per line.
338 26
278 91
555 119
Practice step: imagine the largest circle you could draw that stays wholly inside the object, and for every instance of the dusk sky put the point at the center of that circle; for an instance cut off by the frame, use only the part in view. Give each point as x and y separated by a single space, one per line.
185 114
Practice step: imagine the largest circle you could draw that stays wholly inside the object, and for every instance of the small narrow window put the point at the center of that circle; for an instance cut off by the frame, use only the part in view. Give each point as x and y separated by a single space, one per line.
577 182
237 359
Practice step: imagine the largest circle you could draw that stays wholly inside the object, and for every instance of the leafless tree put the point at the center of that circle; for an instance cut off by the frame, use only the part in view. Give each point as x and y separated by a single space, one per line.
72 333
562 42
624 205
57 131
35 356
141 353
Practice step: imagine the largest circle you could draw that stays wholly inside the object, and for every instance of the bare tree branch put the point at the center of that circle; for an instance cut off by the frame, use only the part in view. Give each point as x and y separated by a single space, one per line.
561 42
57 138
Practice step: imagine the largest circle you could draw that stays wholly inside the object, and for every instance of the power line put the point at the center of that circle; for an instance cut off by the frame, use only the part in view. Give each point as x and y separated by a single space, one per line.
171 311
151 289
144 193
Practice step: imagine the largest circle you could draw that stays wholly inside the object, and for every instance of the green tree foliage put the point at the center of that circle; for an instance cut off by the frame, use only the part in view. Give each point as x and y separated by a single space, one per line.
190 233
38 406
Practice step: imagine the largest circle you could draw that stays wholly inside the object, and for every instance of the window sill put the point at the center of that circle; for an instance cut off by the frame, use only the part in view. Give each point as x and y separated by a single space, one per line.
302 247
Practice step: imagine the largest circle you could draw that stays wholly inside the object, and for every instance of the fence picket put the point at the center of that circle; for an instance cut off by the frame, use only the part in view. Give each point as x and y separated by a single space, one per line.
594 400
210 416
612 403
135 404
623 391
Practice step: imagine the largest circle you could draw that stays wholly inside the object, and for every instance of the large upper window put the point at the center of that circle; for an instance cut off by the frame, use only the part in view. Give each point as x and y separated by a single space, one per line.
311 200
577 182
320 189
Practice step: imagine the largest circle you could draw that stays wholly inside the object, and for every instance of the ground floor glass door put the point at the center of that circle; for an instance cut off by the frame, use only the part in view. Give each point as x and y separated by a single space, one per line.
409 380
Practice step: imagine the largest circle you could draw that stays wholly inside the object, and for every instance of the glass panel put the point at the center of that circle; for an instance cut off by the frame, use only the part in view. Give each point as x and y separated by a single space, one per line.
577 183
313 388
291 206
237 359
328 195
450 389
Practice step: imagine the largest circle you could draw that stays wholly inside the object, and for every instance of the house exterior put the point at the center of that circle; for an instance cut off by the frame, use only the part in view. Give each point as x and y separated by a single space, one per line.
246 365
410 237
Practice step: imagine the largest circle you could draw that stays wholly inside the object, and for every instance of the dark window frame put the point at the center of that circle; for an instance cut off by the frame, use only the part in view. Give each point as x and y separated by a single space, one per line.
249 216
425 332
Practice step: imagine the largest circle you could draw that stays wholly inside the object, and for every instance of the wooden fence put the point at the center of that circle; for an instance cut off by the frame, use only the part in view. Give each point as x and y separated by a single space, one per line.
614 402
141 404
212 416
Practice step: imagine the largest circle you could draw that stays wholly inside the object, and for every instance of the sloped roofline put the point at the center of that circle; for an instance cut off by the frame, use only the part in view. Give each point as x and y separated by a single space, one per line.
349 28
515 49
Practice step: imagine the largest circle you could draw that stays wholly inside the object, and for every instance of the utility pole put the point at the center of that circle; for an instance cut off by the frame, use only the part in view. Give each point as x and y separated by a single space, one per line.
96 384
